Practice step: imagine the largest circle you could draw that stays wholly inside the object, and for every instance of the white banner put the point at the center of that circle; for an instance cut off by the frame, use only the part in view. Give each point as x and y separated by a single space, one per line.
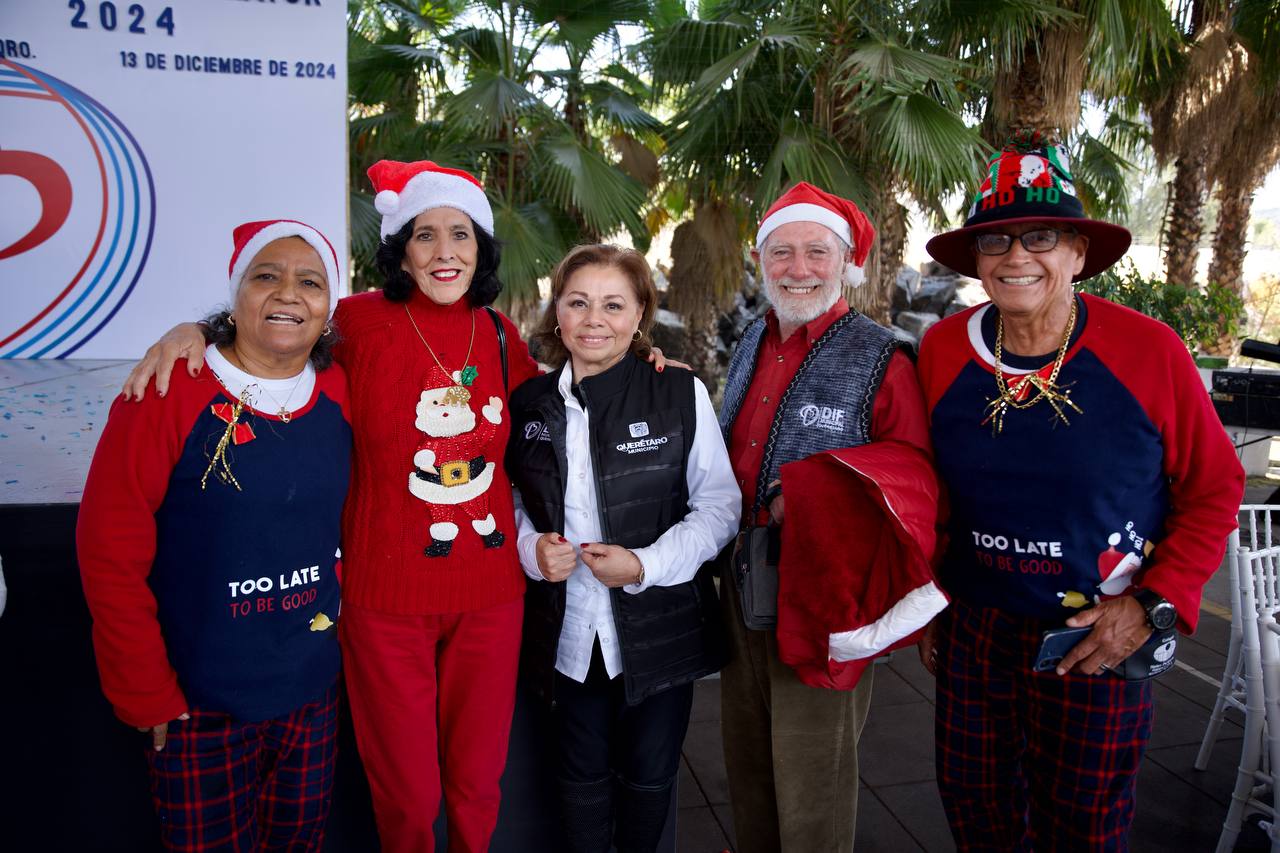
135 136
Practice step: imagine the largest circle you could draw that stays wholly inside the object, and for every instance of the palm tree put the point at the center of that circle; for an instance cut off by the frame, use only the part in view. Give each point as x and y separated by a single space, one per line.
390 68
549 143
1041 56
1192 102
842 95
1220 123
1251 147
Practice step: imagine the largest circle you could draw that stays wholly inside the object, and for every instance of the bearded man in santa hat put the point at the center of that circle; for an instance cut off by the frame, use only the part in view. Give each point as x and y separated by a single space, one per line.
829 442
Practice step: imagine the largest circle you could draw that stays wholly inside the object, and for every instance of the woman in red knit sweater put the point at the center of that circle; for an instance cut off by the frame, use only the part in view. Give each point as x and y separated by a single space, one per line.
432 586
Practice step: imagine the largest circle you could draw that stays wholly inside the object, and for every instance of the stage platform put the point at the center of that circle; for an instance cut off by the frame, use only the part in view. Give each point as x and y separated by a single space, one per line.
51 415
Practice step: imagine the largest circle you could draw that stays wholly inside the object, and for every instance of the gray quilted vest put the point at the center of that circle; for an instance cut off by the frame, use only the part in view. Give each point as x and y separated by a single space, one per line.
829 401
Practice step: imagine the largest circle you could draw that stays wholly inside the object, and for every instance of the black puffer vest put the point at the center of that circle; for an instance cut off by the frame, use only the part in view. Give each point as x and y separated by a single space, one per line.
641 429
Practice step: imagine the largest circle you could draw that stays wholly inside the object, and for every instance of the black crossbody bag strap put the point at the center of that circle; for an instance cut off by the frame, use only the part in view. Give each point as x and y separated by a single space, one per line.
502 346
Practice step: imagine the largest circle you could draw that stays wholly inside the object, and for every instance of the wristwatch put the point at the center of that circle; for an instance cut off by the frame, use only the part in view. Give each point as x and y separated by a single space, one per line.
1161 614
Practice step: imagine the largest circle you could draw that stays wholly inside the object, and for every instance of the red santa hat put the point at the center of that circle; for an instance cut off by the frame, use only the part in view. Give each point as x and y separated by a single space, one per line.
406 189
252 237
806 203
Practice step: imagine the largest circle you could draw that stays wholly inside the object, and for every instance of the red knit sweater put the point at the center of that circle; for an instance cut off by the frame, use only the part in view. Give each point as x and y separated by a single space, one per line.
385 527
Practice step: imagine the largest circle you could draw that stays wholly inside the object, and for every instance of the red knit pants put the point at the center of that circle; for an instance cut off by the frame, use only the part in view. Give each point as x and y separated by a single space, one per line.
431 701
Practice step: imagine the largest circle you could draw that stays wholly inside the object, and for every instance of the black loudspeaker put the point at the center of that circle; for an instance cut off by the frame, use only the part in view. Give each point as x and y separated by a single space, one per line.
1247 397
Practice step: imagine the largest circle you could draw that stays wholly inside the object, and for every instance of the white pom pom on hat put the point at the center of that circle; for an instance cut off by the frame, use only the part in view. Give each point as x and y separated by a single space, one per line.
387 202
252 237
406 189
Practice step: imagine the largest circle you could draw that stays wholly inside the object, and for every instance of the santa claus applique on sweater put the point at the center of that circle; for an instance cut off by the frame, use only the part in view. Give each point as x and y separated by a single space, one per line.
452 475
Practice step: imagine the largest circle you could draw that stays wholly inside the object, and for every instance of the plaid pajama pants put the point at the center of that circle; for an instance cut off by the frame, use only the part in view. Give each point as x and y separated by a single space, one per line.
225 785
1026 760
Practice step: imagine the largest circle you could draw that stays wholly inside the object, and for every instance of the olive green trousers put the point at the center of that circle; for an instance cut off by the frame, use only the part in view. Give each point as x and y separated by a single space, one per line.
791 751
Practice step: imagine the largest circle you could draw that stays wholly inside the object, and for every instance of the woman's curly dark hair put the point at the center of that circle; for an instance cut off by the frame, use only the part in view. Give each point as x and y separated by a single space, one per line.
398 285
220 331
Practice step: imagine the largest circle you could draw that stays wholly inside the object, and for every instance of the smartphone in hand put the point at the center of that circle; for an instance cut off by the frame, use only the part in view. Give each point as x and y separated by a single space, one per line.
1055 645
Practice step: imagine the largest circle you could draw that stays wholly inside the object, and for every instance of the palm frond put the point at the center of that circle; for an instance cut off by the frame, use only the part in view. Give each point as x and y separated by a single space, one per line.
490 102
1000 28
804 153
419 56
683 53
582 22
1257 22
576 177
884 61
482 46
929 146
531 247
1101 177
617 108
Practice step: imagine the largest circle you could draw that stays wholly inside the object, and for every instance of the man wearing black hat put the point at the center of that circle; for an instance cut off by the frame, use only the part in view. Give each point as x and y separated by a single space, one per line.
1091 486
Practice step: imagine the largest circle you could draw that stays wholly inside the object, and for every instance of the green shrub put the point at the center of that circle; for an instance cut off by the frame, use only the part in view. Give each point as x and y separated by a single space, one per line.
1198 316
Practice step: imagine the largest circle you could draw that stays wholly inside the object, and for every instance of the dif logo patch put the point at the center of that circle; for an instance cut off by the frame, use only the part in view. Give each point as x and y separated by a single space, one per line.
78 216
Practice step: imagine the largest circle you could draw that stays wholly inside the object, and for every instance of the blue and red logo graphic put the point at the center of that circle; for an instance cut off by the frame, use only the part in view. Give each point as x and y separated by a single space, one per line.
79 215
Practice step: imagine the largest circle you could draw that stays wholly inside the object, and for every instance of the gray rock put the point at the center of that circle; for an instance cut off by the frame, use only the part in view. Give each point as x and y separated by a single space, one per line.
904 288
933 294
916 323
669 333
933 268
903 335
668 318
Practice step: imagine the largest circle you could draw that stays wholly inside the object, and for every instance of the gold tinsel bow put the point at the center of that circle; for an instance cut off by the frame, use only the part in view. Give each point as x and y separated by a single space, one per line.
235 433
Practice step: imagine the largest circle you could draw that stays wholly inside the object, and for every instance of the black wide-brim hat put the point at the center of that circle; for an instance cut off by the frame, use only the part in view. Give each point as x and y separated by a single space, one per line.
1030 185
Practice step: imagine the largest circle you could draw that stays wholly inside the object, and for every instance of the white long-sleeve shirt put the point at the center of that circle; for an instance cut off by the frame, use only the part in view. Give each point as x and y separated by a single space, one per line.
674 558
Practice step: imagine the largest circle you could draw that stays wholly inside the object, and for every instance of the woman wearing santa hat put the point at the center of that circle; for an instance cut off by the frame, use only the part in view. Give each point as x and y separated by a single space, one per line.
433 590
207 542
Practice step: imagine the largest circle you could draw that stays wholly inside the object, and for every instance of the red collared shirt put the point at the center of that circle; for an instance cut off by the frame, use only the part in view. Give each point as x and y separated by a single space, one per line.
898 412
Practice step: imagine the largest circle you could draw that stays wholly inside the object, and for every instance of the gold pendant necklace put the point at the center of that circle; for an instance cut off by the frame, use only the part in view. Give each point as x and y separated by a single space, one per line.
283 412
1008 395
468 373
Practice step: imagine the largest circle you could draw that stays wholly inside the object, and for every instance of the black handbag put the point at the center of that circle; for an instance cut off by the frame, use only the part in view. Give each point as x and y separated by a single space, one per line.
755 573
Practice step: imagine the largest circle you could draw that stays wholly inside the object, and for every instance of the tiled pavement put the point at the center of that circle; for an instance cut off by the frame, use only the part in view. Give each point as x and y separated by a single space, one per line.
1179 808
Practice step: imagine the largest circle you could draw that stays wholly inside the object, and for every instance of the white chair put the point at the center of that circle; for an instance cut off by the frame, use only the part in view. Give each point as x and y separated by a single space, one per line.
1231 690
1255 532
1269 636
1259 598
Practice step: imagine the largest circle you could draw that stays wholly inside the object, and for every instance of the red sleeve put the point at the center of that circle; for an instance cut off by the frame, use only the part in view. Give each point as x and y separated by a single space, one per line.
944 352
1206 480
1206 486
520 364
116 544
333 382
899 412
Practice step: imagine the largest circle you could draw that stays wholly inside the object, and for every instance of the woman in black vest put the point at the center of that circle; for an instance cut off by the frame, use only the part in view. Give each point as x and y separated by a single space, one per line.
626 490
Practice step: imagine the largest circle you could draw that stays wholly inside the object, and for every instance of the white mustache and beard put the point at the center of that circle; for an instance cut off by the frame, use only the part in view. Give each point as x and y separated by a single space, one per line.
799 308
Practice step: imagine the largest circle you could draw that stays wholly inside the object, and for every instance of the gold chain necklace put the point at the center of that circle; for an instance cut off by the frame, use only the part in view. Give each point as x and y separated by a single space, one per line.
468 373
1044 388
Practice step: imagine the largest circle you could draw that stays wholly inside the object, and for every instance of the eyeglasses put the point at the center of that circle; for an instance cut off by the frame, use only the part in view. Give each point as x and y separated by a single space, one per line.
1038 241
